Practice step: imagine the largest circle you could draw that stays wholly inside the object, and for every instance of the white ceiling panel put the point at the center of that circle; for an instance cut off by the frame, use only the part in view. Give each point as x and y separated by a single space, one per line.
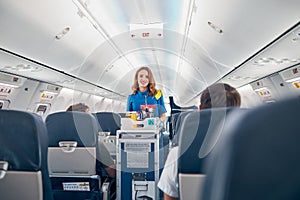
202 41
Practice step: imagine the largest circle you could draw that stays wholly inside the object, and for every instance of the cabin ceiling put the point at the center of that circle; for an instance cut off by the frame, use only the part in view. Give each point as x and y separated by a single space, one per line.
95 43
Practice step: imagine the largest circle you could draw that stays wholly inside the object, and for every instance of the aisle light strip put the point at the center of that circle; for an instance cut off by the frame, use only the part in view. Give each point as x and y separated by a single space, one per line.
293 80
90 18
8 85
186 30
260 89
48 92
83 8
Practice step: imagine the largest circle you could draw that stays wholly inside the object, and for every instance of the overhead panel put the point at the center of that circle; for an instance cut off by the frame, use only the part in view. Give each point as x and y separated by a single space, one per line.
33 30
279 55
25 68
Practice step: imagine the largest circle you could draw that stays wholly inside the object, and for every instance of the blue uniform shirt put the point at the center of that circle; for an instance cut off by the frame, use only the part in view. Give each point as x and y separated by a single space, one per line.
142 98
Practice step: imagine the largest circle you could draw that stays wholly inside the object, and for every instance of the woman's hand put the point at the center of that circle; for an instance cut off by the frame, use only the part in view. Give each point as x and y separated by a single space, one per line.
162 117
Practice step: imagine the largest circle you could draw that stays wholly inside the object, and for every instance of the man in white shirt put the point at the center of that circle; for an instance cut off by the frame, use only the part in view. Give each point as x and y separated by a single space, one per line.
168 182
216 95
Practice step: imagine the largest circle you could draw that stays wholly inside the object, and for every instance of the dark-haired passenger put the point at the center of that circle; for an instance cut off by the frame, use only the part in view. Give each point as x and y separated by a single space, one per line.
216 95
103 156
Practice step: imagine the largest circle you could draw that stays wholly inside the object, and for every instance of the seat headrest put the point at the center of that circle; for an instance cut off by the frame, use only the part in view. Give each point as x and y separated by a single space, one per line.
108 122
72 126
23 140
177 122
174 118
258 156
198 134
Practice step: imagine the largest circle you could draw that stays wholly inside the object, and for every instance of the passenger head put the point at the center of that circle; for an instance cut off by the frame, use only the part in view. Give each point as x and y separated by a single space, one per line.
80 107
220 95
142 71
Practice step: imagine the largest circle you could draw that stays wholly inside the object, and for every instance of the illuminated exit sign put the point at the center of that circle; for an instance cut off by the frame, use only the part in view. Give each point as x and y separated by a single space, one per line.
146 31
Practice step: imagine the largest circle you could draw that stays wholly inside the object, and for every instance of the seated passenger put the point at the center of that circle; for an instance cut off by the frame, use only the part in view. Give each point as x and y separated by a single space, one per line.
216 95
80 107
104 157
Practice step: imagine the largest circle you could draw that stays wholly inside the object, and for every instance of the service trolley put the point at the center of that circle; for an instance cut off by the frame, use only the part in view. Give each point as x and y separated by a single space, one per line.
138 159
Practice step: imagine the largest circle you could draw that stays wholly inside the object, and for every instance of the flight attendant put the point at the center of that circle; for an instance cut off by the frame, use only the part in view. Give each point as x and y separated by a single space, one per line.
144 94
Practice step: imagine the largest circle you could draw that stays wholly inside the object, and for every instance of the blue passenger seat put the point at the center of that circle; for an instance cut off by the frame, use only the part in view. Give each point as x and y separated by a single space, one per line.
109 122
178 119
198 135
258 156
23 157
72 155
172 123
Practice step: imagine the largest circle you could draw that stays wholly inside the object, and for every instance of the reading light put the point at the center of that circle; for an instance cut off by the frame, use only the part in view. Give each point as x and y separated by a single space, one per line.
21 67
24 68
264 61
240 78
65 82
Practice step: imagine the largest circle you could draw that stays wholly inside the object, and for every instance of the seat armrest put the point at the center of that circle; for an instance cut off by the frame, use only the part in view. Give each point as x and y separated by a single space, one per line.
109 188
